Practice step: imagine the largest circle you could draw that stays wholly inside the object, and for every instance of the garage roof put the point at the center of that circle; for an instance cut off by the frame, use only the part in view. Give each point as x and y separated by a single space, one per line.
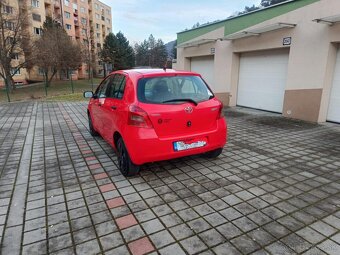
195 43
258 31
331 20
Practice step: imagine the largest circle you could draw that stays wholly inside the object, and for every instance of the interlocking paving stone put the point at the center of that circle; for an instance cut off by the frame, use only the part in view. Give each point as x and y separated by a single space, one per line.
141 246
274 189
111 240
126 221
212 237
152 226
161 239
193 245
132 233
171 250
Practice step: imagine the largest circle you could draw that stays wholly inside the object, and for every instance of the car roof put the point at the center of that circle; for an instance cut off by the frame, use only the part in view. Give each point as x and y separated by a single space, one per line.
154 72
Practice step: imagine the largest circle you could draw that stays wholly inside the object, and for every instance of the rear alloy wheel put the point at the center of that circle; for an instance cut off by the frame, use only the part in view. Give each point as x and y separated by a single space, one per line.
126 166
93 132
214 153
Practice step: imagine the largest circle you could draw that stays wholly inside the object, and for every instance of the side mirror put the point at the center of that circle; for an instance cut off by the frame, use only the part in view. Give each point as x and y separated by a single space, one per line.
88 94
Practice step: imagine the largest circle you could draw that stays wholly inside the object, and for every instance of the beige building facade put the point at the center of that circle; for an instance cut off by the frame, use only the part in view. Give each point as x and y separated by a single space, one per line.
79 18
284 58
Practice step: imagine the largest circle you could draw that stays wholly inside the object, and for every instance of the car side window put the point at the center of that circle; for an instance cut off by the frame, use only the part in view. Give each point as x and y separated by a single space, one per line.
117 86
102 89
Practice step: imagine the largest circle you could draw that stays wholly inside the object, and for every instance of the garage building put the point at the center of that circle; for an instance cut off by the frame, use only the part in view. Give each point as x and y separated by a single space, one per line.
284 58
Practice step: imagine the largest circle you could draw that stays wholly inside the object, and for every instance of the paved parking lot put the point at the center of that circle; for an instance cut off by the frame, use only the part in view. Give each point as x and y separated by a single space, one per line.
275 189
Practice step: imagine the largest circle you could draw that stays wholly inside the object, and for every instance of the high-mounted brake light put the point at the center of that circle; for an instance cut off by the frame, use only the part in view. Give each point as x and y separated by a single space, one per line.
138 117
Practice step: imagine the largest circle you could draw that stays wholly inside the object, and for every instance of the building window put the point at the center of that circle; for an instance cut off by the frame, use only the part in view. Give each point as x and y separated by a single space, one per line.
100 62
96 6
37 30
67 2
98 35
15 71
108 12
67 15
108 30
108 20
41 71
83 21
7 9
82 10
97 26
84 31
35 3
9 25
36 17
97 16
68 27
15 56
99 45
103 18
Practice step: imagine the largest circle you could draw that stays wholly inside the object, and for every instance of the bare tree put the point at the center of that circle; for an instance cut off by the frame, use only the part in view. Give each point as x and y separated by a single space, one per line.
55 51
71 59
15 49
87 51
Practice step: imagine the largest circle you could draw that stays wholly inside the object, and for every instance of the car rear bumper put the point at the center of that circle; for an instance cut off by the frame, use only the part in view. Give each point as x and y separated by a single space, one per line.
145 146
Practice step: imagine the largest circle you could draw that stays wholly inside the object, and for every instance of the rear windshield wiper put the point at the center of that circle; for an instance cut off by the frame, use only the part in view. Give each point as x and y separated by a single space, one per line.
181 100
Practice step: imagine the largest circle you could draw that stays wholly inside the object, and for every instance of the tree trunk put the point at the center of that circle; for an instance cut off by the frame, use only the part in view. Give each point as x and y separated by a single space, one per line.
7 91
12 84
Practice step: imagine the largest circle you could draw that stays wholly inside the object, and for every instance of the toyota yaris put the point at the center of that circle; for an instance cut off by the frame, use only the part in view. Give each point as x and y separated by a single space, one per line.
153 114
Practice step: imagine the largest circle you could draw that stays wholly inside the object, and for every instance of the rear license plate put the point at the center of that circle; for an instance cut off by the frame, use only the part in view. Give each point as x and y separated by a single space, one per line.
187 145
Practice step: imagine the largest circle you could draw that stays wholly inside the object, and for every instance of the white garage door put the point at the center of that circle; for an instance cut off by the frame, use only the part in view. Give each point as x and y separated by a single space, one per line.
262 80
205 67
334 101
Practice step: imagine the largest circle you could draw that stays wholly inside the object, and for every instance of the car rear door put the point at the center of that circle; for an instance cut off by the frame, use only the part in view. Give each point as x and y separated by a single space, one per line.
113 108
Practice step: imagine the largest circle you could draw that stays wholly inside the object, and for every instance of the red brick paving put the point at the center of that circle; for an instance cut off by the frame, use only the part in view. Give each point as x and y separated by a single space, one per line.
94 166
126 221
107 187
141 246
90 158
115 202
100 176
86 151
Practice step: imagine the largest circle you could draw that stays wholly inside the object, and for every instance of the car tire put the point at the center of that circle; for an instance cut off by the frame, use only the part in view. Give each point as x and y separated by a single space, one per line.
126 166
214 153
93 132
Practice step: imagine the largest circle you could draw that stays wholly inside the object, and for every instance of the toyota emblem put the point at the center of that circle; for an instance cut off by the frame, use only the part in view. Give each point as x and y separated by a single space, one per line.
188 109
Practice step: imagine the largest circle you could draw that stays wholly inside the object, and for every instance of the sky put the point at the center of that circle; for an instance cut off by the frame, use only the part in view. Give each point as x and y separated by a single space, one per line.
137 19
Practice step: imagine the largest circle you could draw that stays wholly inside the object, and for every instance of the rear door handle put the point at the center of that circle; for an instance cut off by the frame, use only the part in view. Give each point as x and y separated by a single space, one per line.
114 107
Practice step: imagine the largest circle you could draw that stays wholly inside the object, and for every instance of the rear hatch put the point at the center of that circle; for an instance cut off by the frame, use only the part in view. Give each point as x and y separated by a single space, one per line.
178 105
171 120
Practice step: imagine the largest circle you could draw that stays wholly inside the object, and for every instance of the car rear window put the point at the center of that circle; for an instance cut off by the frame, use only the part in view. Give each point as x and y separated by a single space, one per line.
173 90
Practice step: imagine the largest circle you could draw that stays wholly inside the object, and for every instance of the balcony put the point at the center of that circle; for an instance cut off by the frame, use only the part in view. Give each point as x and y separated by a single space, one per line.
76 23
75 12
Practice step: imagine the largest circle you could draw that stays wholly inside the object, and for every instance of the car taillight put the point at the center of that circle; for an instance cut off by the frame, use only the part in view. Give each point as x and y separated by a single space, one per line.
138 117
220 112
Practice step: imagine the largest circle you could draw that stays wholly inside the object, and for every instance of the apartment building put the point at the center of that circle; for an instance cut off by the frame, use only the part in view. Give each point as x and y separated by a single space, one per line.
100 23
84 21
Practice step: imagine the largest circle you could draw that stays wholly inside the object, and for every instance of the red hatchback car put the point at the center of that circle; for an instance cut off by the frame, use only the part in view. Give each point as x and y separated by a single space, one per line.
151 115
